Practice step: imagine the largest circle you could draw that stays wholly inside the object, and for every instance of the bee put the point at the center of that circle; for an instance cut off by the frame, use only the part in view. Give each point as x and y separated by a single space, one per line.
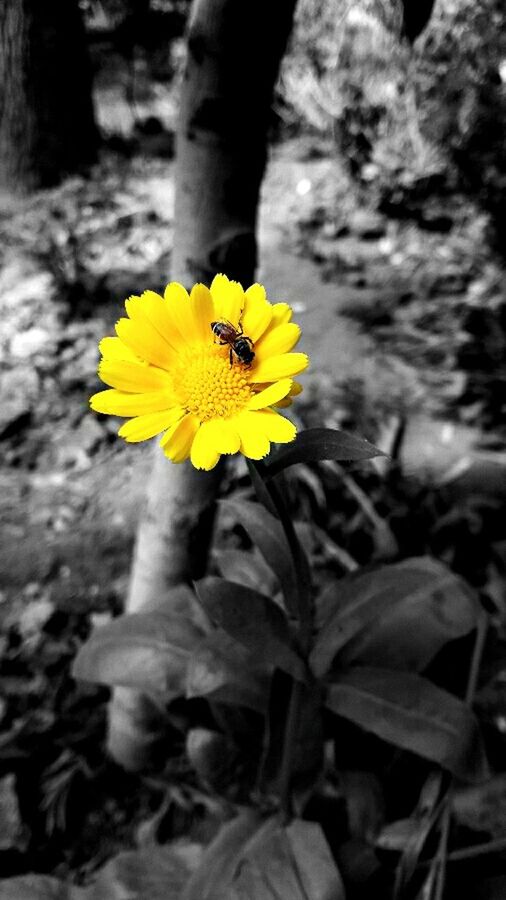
239 343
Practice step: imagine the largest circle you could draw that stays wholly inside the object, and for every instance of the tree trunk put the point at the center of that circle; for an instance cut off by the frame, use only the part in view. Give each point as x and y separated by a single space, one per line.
47 127
234 51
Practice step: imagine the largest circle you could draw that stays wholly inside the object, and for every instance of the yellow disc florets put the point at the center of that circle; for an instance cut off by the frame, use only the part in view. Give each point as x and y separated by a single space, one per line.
208 386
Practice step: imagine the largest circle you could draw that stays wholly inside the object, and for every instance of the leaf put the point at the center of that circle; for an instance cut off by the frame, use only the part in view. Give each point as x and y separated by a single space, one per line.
157 873
146 651
365 803
413 714
267 533
397 616
37 887
413 631
316 444
10 819
308 739
254 620
248 569
221 858
287 863
223 670
409 836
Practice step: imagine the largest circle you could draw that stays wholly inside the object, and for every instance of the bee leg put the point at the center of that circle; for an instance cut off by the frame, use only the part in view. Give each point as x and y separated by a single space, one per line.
231 357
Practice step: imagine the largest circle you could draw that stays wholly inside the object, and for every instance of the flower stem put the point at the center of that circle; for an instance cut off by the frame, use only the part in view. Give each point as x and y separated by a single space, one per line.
289 744
304 606
303 598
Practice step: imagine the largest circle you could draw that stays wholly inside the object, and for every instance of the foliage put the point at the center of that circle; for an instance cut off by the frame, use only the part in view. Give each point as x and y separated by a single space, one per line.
407 118
297 680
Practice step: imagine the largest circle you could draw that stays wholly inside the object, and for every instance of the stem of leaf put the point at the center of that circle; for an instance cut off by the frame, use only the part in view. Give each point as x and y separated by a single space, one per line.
304 607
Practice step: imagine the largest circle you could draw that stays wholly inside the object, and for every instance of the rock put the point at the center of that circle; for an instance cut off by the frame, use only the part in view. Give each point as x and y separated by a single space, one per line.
367 224
18 389
90 433
26 344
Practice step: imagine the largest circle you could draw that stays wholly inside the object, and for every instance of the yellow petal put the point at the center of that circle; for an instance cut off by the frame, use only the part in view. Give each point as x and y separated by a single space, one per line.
223 436
281 314
153 309
203 311
117 403
254 442
270 394
133 377
228 299
275 427
204 454
180 310
179 438
257 312
295 389
144 427
145 340
283 366
278 340
113 348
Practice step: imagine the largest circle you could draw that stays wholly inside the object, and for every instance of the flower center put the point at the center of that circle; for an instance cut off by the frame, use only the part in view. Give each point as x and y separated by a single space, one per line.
208 386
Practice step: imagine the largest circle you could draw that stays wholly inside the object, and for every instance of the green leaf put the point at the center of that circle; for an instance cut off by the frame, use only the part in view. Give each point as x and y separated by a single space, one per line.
287 863
316 444
146 651
412 713
397 616
223 670
254 620
267 533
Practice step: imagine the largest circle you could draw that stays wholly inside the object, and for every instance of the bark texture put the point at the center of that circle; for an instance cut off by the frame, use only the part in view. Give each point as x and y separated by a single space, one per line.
47 127
234 51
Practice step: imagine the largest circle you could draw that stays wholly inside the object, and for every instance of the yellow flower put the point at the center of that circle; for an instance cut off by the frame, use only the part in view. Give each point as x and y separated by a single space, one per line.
169 372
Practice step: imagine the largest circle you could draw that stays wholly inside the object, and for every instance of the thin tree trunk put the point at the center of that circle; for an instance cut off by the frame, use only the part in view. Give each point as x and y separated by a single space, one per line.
47 127
234 51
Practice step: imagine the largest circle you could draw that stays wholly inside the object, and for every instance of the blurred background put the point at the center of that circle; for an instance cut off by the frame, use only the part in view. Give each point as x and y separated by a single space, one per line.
383 223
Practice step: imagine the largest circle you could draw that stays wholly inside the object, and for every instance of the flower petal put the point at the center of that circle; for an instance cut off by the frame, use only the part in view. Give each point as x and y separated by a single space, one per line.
144 427
202 306
281 314
295 389
113 348
133 377
275 427
153 309
224 437
270 394
254 443
204 454
177 442
283 366
180 310
145 340
117 403
257 312
228 299
278 340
